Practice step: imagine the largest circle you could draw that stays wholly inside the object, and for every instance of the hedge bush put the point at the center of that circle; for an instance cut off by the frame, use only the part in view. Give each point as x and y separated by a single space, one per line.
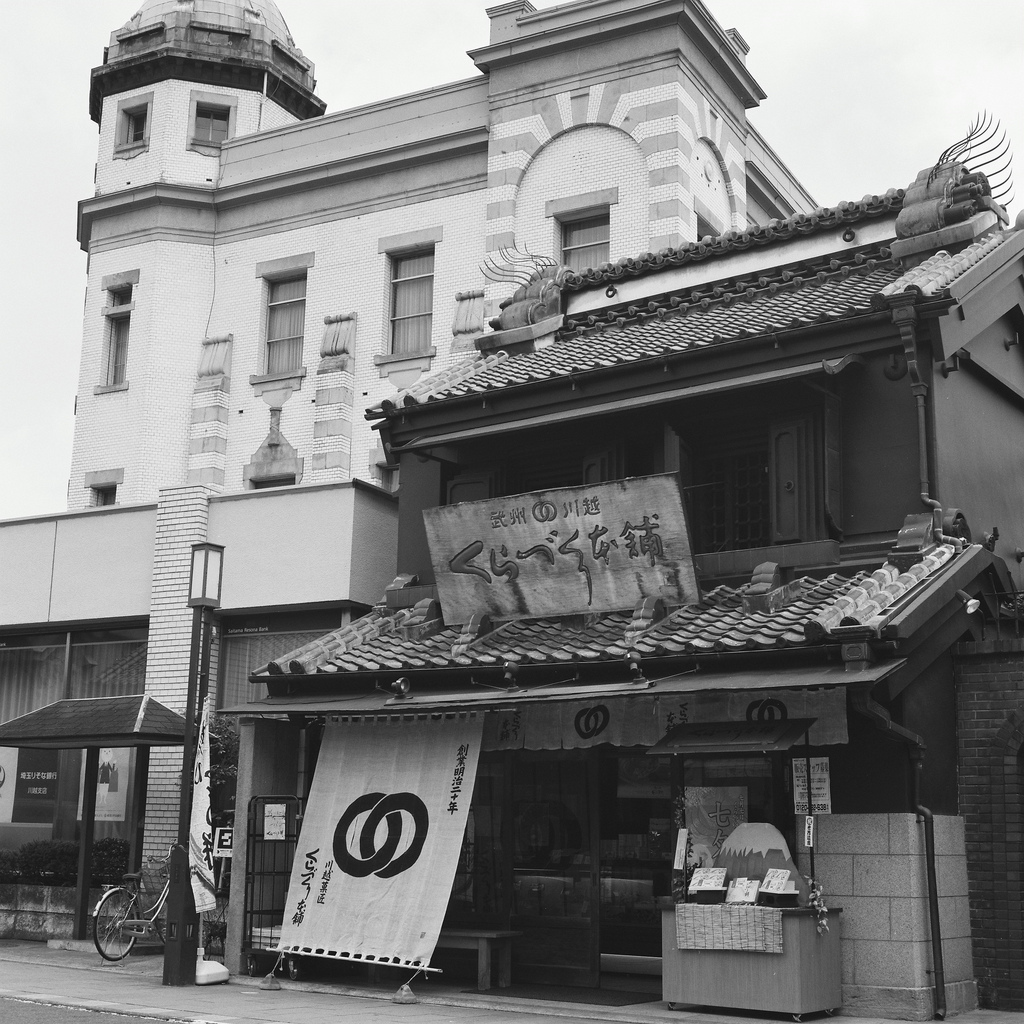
55 862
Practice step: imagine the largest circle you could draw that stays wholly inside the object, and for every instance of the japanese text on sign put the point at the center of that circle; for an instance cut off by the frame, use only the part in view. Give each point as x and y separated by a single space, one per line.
458 777
571 549
821 786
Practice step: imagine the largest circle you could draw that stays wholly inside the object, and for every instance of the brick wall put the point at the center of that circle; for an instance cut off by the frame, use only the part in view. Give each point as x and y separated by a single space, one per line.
182 518
990 711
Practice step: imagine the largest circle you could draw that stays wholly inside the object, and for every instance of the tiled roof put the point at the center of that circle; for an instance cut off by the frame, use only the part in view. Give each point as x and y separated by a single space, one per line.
822 612
824 219
778 299
938 272
124 721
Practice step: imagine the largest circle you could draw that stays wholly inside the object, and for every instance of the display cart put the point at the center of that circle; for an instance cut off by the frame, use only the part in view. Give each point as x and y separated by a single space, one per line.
803 977
272 833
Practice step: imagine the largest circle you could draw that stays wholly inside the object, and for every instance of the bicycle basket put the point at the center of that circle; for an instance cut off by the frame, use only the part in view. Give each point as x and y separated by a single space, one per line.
153 878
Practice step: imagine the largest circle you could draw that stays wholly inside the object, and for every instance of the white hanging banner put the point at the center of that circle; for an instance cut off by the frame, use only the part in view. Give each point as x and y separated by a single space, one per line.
200 833
380 839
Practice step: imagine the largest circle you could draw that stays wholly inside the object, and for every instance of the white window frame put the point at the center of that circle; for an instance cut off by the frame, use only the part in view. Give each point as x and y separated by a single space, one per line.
395 283
128 110
117 315
210 101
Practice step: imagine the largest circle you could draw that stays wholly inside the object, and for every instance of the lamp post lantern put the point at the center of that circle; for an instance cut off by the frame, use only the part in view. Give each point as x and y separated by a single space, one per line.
180 951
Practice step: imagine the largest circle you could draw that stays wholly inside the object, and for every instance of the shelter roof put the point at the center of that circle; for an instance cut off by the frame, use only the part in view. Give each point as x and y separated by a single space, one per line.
127 721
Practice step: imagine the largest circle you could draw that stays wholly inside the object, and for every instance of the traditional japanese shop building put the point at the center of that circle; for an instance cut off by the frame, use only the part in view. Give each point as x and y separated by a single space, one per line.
836 402
260 271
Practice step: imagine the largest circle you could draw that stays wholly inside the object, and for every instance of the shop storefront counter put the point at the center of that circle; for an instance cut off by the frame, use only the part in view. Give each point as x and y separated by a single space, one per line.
805 977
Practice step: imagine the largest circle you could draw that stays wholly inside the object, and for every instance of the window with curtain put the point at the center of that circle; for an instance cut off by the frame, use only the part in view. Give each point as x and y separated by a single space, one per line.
412 302
32 677
286 316
242 655
107 668
585 242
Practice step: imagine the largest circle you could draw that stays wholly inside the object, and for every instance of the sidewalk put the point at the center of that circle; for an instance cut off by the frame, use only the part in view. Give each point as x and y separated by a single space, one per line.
36 972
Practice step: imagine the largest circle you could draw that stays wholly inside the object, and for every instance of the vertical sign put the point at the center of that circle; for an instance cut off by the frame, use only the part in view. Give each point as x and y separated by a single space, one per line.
35 791
809 831
821 786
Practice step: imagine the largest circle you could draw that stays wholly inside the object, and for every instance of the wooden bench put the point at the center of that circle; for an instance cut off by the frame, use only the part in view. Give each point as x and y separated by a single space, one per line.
485 942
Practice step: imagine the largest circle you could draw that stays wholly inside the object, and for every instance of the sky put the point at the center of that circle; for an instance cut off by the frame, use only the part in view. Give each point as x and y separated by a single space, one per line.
861 95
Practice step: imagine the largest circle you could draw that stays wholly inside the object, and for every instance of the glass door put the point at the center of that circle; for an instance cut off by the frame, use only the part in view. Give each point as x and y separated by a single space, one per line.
636 858
554 881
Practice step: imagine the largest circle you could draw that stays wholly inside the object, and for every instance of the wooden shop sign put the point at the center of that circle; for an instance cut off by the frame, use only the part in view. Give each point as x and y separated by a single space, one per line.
564 551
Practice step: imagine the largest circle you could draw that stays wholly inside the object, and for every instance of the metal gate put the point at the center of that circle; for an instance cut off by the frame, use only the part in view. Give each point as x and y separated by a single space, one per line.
272 832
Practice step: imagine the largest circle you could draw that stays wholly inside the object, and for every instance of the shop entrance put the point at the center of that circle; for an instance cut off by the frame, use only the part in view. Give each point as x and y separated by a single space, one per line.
554 868
572 849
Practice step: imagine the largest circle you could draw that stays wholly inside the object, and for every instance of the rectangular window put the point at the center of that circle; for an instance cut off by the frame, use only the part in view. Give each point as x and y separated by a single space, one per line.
135 126
104 495
412 302
286 317
211 123
585 242
774 480
119 322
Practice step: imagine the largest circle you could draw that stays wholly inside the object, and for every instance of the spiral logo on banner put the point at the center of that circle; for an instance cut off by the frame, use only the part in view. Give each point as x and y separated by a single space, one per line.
396 811
767 710
590 722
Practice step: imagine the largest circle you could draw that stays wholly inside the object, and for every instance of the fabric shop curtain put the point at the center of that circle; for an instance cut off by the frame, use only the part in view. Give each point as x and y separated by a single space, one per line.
380 839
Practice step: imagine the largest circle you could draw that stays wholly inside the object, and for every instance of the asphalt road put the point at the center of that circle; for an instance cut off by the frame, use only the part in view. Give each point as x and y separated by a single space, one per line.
17 1011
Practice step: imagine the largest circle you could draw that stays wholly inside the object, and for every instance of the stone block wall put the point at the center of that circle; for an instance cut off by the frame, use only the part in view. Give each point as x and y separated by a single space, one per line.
990 713
873 866
39 912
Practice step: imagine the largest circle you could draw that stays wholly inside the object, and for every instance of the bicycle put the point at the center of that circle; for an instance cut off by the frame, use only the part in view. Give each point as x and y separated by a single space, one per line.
120 917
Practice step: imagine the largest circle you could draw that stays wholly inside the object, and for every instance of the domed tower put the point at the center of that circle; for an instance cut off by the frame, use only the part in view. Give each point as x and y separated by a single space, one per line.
181 84
183 76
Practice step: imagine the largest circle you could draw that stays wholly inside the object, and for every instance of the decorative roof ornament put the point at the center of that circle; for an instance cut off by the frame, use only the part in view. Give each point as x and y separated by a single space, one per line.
949 206
515 266
986 155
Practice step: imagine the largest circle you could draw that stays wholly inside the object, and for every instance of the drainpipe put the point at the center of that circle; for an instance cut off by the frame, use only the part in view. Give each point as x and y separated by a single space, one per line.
904 316
925 815
881 719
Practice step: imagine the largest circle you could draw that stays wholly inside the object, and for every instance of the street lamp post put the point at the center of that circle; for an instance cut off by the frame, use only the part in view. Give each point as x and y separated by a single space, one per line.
182 942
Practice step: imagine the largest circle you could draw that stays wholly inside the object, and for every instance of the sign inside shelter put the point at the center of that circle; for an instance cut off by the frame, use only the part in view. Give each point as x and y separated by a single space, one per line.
35 789
112 777
569 550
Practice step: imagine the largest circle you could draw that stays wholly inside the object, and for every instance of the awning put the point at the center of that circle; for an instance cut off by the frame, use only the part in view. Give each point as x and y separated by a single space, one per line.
128 721
684 391
733 737
553 717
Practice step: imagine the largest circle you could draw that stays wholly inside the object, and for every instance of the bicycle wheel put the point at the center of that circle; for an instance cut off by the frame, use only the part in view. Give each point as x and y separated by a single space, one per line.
114 906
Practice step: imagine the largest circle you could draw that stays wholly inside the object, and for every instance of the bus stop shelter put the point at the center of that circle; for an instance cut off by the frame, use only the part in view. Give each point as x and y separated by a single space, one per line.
92 723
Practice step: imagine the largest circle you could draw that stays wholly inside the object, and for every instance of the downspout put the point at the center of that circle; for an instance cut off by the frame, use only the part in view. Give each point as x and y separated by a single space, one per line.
881 719
904 315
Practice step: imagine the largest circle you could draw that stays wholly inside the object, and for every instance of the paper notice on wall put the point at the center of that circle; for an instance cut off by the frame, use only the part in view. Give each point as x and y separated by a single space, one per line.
275 821
821 786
